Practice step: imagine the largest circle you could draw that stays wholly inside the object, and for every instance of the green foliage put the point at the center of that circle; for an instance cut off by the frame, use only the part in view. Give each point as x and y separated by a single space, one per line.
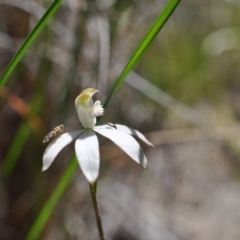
147 40
29 40
53 200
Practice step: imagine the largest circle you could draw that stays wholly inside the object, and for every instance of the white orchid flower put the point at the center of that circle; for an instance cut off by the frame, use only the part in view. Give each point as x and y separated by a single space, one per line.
86 144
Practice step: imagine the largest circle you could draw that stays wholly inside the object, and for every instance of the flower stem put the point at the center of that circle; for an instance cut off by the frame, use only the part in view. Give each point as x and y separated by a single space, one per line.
93 190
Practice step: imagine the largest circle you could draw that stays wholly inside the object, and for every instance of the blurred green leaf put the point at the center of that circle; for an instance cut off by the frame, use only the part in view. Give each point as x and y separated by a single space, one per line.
50 204
20 140
15 149
31 37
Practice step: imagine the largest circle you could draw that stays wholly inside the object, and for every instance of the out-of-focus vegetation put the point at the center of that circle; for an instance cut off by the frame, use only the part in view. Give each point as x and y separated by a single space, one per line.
184 95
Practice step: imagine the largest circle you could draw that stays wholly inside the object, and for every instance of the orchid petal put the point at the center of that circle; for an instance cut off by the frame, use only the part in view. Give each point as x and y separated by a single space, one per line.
56 145
126 142
128 130
87 151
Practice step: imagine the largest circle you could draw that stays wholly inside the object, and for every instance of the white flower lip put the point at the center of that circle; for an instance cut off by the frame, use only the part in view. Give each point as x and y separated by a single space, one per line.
86 144
97 109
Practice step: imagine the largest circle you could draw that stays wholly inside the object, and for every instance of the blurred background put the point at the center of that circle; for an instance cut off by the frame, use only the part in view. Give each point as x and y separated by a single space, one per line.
184 95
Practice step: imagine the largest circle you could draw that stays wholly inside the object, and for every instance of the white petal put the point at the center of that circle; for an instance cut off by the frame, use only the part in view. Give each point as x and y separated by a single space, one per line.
126 142
87 151
56 145
128 130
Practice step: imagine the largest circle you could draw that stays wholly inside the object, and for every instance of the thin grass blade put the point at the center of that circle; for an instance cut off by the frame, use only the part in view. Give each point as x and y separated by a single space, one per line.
31 37
47 210
19 141
15 149
147 40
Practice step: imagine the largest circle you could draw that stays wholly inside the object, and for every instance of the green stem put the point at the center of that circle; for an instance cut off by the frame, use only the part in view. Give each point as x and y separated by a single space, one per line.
93 190
31 37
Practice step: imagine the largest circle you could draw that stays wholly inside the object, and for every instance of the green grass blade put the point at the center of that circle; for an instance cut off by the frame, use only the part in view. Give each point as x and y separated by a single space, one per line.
19 140
15 149
44 215
149 37
31 37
